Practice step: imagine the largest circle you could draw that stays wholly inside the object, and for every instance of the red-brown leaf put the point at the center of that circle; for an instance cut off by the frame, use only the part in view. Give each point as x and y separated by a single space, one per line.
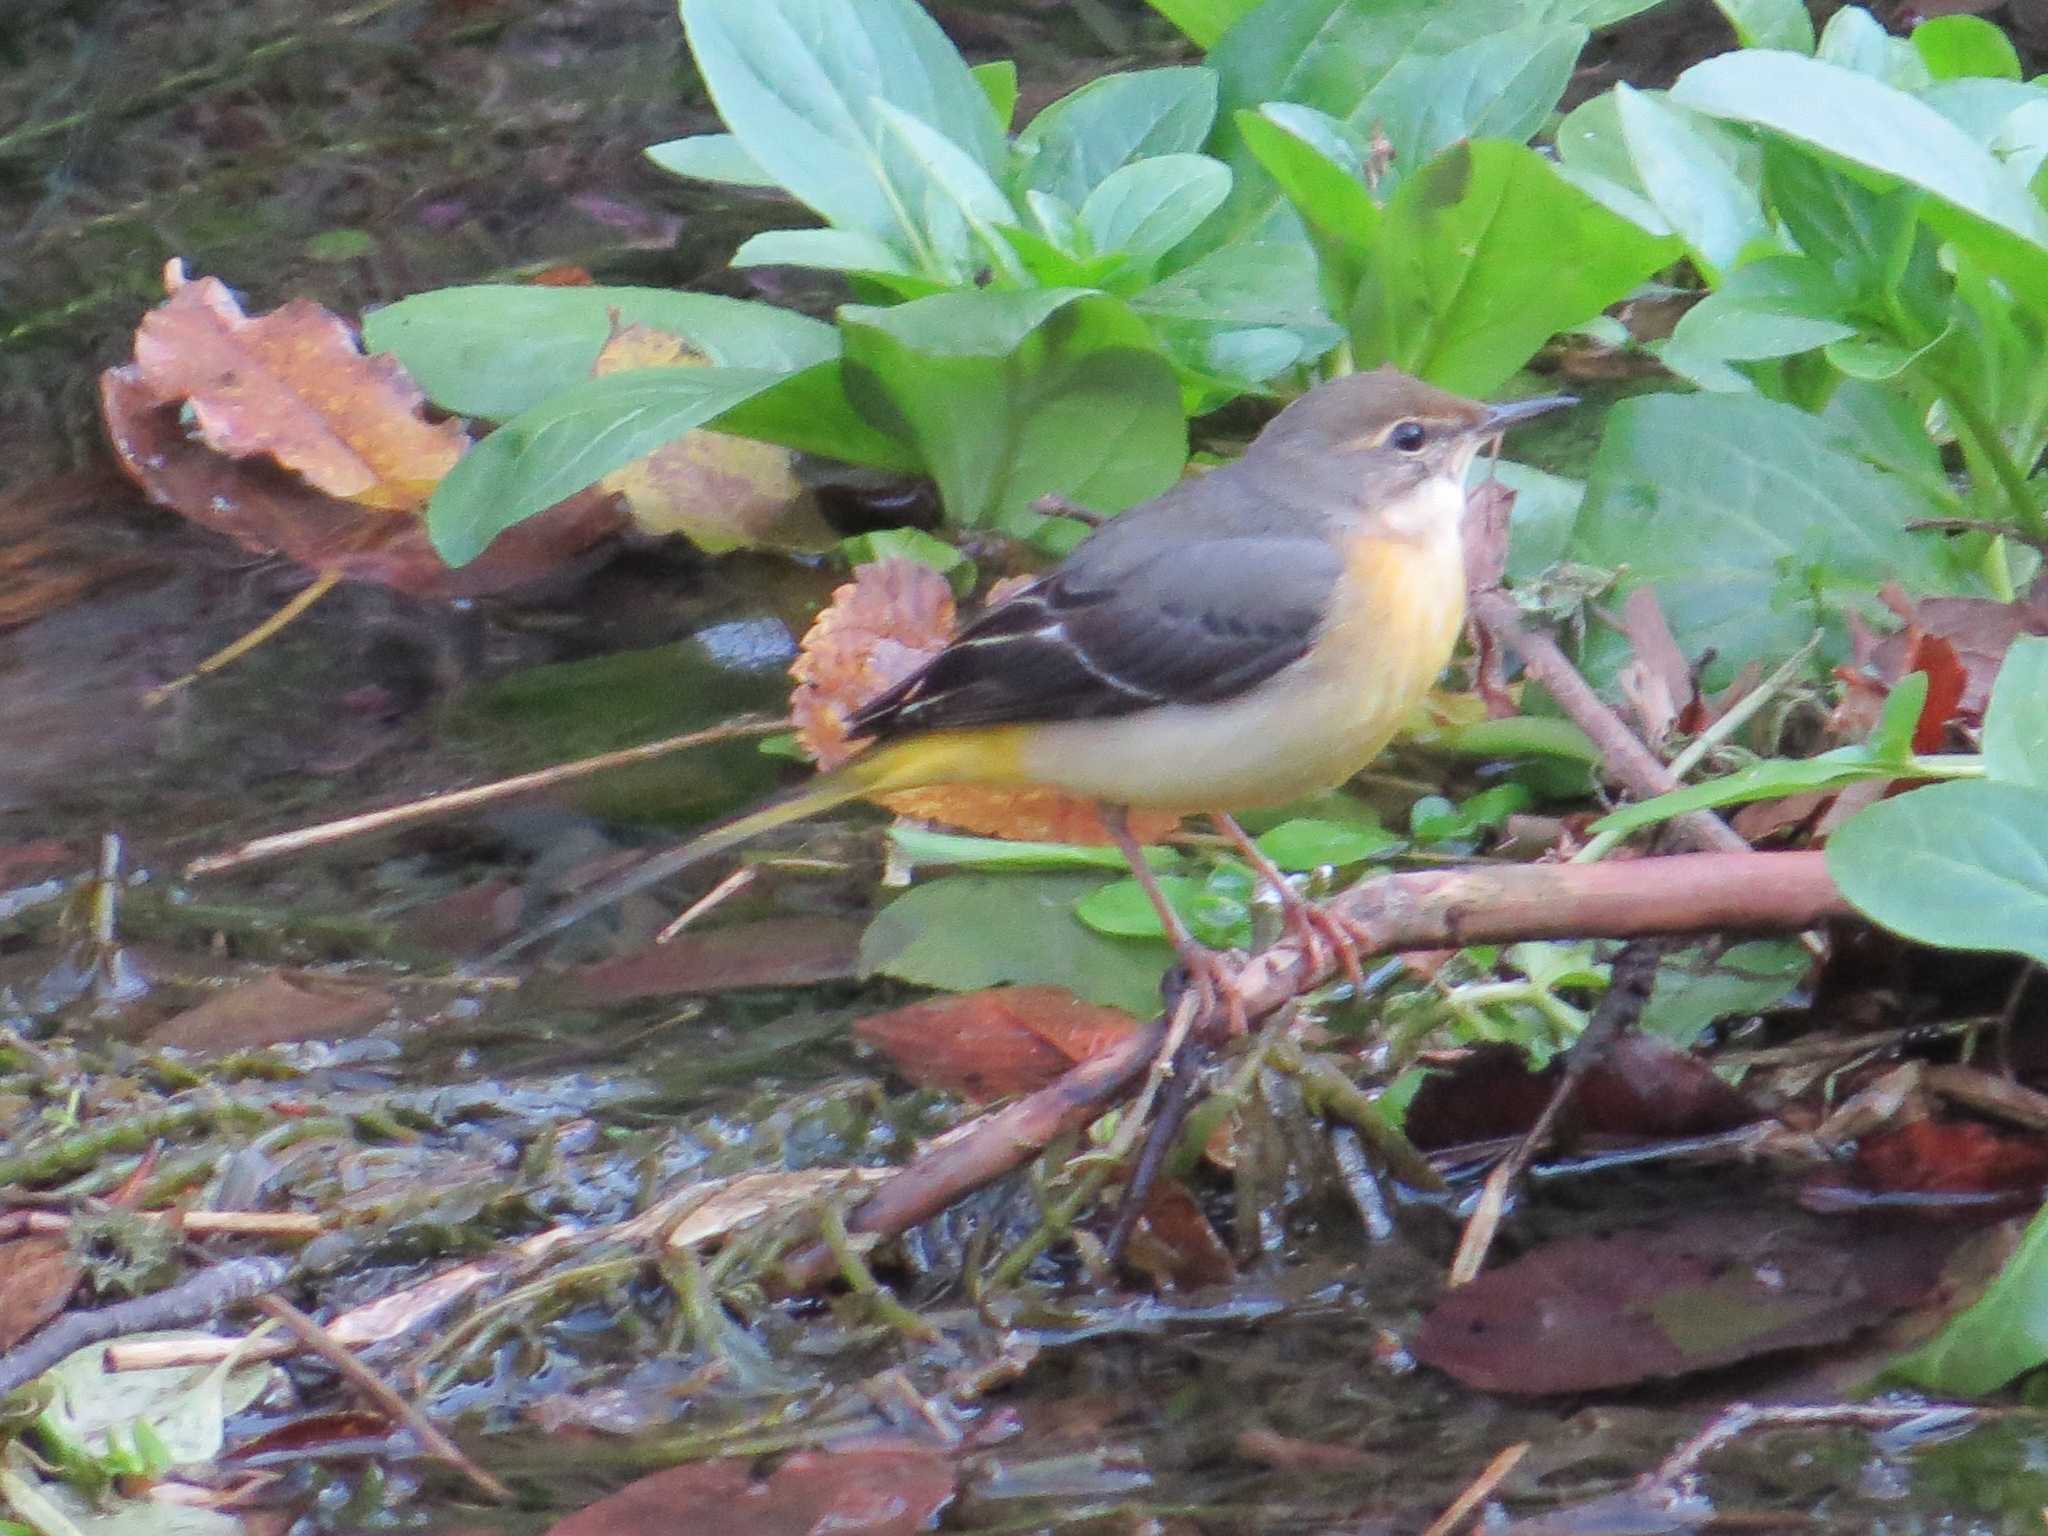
993 1043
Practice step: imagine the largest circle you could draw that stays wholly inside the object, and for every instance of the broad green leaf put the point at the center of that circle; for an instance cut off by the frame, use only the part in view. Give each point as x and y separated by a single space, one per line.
1149 206
1770 23
1483 255
1857 40
809 411
1778 307
571 440
1697 986
829 250
186 1406
1241 315
1693 184
1867 239
1011 396
710 157
1978 106
1306 843
1204 20
1751 521
1318 171
1958 47
1122 910
1545 512
1974 200
2016 719
1500 85
1336 55
955 175
496 349
1069 148
801 83
969 931
998 82
2003 1334
1962 866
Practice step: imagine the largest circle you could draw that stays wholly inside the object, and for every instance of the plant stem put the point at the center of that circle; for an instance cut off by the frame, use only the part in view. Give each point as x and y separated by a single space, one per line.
1984 435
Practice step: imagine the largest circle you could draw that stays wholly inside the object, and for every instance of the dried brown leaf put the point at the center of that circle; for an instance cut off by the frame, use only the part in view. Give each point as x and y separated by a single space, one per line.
41 1275
990 1044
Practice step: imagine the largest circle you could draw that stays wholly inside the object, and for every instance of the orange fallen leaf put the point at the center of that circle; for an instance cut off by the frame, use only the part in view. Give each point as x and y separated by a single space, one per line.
993 1043
880 627
294 386
276 1007
41 1275
719 491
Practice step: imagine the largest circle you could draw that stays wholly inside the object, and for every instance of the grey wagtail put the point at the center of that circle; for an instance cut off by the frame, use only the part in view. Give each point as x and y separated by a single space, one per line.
1251 636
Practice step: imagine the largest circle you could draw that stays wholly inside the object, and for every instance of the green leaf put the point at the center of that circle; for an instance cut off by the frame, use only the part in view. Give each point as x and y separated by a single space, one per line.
1772 779
1973 199
1259 292
1891 743
1485 254
1697 986
1306 843
1123 910
809 411
956 178
1071 146
1692 179
1778 307
803 85
1962 865
496 349
911 544
998 82
1149 206
969 931
2016 719
2003 1334
1500 85
1752 522
1955 47
1010 396
1545 512
1858 41
1318 171
571 440
710 157
1203 21
1864 237
1770 23
928 849
829 250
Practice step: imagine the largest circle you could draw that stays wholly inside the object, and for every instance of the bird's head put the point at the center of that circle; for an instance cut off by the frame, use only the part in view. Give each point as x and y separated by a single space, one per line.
1390 447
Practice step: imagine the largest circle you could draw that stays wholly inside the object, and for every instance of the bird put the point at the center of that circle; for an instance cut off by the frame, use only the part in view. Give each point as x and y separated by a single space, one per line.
1254 634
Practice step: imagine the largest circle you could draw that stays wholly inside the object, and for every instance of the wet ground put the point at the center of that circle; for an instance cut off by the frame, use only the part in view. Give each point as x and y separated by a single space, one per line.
357 154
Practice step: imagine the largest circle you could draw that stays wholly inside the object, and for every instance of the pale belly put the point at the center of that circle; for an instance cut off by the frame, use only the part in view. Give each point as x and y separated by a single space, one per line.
1306 729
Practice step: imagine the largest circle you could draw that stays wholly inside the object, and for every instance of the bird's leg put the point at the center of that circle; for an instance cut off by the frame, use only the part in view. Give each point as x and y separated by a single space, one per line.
1312 926
1206 970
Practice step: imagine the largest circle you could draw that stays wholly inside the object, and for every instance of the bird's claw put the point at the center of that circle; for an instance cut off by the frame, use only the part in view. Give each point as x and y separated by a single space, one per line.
1213 975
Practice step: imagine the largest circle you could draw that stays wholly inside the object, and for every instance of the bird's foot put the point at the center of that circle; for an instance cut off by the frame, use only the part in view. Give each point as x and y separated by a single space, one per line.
1213 975
1324 936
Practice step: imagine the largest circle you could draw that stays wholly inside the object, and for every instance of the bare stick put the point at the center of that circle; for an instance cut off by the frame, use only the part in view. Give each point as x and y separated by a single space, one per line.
1632 764
372 1386
292 1226
1478 1490
193 1301
457 801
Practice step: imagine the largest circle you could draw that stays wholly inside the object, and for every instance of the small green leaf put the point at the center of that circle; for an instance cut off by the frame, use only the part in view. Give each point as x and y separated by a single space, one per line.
1770 23
2003 1334
1148 207
710 157
1304 844
1123 910
1691 176
1892 742
1772 779
2016 719
1961 865
1958 47
928 849
968 931
1071 146
998 82
912 544
828 250
1856 40
1204 20
338 245
1695 987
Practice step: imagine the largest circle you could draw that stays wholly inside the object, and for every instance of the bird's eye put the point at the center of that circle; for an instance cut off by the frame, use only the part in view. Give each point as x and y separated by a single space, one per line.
1408 436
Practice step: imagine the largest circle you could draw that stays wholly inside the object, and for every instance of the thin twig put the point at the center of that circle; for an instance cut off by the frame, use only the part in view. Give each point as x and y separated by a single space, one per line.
1632 764
367 1382
1478 1490
193 1301
457 801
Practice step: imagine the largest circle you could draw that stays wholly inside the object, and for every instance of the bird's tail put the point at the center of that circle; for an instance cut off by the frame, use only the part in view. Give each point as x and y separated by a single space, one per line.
905 765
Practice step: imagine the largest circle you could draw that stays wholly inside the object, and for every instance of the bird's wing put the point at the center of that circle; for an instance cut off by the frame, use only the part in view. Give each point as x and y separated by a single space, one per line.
1183 623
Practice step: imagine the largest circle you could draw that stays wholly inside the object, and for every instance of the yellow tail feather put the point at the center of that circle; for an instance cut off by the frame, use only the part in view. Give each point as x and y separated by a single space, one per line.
944 757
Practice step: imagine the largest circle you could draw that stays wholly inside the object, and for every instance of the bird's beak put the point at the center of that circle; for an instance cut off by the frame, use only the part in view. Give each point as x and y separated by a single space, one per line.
1499 418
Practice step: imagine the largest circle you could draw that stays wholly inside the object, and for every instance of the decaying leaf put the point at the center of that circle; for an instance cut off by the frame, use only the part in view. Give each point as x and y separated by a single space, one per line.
773 952
871 1490
990 1044
41 1275
719 491
264 434
710 1212
1960 642
893 616
276 1007
293 386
